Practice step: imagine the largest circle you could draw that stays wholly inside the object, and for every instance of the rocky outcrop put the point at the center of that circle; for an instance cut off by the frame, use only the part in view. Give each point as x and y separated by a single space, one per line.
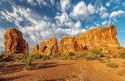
14 42
49 47
35 49
96 38
69 44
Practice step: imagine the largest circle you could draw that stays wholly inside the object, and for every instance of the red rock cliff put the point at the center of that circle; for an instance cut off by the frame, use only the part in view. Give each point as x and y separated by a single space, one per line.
14 42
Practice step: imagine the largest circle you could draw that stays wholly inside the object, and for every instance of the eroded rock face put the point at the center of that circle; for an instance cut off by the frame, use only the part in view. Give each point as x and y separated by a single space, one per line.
14 42
49 47
69 44
96 38
35 49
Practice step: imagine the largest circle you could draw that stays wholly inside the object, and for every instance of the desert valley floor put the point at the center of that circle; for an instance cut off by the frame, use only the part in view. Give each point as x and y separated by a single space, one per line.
65 70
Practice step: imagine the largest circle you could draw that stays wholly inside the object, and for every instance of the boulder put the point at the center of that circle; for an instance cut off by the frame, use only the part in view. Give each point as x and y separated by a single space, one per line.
35 49
49 47
14 42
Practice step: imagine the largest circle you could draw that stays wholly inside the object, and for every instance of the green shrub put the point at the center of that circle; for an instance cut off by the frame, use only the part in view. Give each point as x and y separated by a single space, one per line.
82 55
28 62
37 56
112 65
122 55
65 57
97 54
71 54
46 58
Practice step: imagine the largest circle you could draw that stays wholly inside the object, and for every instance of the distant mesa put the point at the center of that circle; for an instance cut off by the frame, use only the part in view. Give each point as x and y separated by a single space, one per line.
96 38
14 42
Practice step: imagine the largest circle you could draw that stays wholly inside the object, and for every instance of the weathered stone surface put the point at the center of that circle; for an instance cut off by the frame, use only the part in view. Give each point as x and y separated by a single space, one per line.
69 44
49 47
100 38
96 38
14 42
35 49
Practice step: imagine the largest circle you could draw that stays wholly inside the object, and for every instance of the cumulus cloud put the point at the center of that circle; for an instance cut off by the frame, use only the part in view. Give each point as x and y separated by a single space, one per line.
83 11
65 4
118 13
38 28
103 12
105 23
107 4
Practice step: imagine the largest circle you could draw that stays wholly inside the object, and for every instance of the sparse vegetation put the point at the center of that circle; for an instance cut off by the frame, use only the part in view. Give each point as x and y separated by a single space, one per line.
122 55
71 54
90 58
28 62
37 56
97 54
112 65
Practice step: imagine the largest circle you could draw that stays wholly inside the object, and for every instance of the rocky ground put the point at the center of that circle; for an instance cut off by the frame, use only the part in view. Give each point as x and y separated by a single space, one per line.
65 70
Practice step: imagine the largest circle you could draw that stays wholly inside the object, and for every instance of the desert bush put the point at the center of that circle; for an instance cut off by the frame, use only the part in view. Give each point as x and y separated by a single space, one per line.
112 65
65 57
82 55
8 58
97 54
71 54
28 62
37 56
89 58
46 57
122 55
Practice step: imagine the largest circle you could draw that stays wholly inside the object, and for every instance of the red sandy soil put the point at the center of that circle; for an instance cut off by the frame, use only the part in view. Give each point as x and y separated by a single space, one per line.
64 70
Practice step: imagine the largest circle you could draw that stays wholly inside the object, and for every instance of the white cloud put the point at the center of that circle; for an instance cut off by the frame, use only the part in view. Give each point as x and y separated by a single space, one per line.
103 12
105 23
107 4
65 4
40 28
2 31
118 13
82 11
52 2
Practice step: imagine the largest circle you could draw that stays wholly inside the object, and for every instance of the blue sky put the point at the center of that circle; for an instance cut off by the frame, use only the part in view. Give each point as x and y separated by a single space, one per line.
41 19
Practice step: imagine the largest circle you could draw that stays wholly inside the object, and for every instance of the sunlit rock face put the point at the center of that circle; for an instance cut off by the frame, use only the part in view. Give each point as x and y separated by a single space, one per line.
14 42
49 47
97 38
35 49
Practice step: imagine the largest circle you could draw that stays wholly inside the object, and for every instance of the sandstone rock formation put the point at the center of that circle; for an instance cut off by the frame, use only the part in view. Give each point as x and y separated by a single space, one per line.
69 44
96 38
14 42
35 49
49 47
